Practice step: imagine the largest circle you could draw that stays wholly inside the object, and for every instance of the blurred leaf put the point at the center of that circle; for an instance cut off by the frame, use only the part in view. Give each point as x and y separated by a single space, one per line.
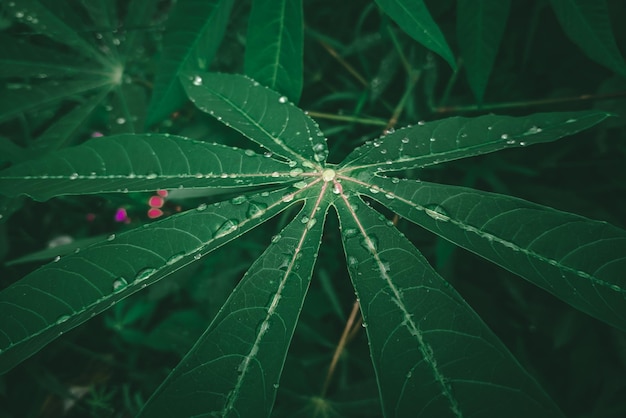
416 325
414 19
587 24
274 46
194 32
480 26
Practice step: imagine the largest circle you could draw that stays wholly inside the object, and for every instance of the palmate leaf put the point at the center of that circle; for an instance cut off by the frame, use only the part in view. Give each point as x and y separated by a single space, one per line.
432 354
134 163
71 290
580 261
429 143
274 46
194 32
480 26
260 114
240 357
414 19
587 24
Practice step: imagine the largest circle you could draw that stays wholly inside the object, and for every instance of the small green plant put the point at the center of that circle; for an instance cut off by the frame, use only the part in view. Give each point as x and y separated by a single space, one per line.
432 355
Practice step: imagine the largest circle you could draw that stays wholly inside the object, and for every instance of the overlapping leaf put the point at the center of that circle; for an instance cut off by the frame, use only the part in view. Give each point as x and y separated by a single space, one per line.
579 260
415 19
429 143
126 163
72 289
259 113
194 32
240 357
588 25
480 26
432 354
274 46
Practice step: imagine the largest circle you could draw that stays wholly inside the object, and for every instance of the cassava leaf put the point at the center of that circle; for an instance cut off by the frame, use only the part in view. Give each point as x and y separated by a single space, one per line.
415 19
416 325
126 163
240 357
69 291
194 32
580 261
587 24
261 114
274 46
480 26
429 143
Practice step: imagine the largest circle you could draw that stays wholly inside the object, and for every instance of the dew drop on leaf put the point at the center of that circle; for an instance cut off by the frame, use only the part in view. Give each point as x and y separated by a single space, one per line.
226 228
437 212
201 207
144 274
282 99
350 232
111 237
197 256
256 209
174 259
197 81
238 200
249 152
296 172
370 243
119 284
62 319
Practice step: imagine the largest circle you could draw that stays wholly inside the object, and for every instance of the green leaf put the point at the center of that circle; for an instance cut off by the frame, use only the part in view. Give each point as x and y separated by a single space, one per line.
129 109
71 290
432 354
430 143
587 24
194 32
414 19
239 359
260 114
580 261
134 163
18 98
139 15
274 46
480 26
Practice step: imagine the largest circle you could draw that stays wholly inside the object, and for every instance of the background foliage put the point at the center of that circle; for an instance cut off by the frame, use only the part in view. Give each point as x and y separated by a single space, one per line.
364 71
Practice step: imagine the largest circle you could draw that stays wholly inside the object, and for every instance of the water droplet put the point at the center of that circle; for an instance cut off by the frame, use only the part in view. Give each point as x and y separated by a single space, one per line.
352 261
300 184
296 172
405 140
534 130
249 152
175 259
570 121
276 238
350 232
282 99
288 197
292 163
73 176
144 274
311 223
226 228
120 121
201 207
433 139
62 319
111 237
370 243
197 256
421 123
56 259
151 176
119 284
238 200
374 190
437 212
320 157
197 81
275 385
504 136
376 144
319 147
304 219
256 209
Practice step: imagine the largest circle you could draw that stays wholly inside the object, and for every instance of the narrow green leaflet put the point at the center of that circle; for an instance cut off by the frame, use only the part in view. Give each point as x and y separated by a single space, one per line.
588 25
194 32
429 143
234 369
22 59
480 26
139 15
72 289
260 114
415 19
18 98
432 354
133 163
579 260
129 109
274 46
57 21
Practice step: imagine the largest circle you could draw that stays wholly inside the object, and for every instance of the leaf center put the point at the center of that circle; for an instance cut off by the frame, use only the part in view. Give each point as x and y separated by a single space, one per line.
328 174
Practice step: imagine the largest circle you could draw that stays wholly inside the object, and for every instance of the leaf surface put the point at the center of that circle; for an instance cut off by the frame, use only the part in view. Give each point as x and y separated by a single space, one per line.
432 354
125 163
260 114
240 357
71 290
194 32
587 24
274 46
429 143
580 261
480 26
415 19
